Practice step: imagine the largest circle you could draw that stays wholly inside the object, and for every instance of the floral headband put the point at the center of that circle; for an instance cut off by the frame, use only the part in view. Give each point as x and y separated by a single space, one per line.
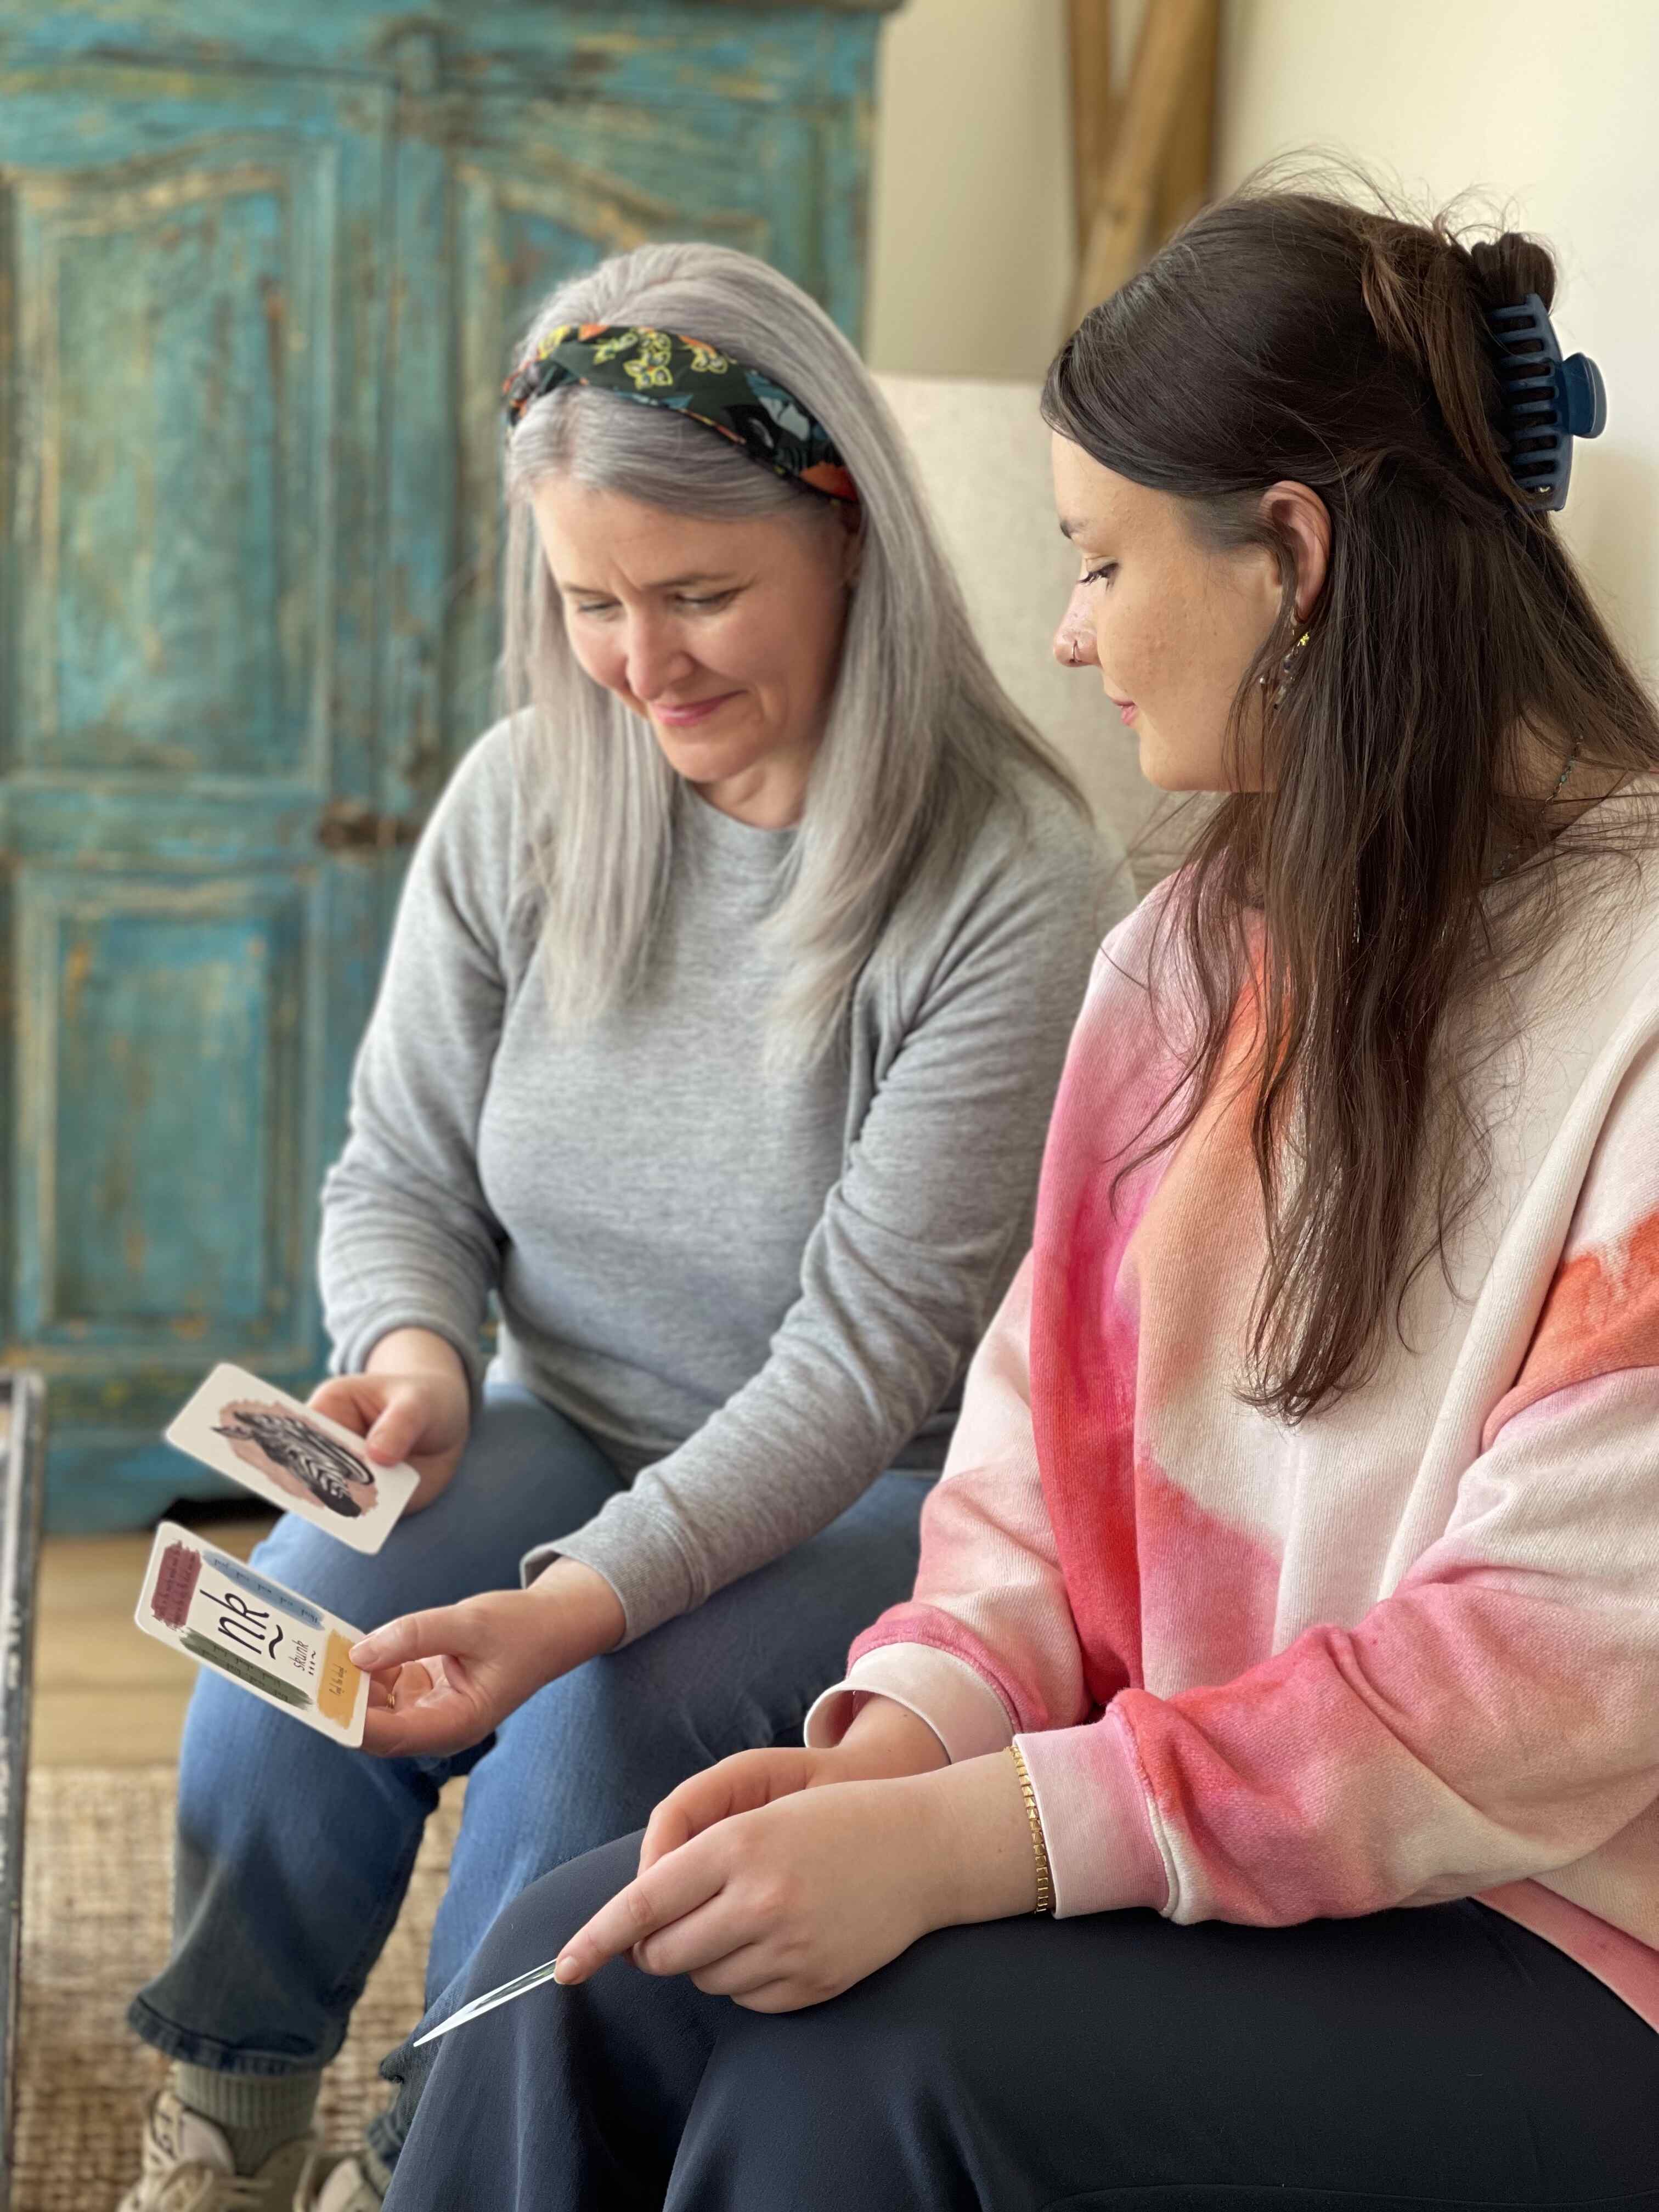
662 369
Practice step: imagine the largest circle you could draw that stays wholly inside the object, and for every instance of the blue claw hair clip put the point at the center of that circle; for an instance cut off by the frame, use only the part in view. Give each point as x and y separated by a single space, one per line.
1547 402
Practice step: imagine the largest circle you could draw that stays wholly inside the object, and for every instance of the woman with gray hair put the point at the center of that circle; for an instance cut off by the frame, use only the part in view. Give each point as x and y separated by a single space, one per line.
717 1038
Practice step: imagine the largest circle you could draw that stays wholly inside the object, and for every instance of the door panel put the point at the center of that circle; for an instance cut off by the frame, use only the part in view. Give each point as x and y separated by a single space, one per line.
198 269
164 1058
174 313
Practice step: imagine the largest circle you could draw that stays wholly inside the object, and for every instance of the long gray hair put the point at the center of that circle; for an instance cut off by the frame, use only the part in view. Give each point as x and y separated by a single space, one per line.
920 739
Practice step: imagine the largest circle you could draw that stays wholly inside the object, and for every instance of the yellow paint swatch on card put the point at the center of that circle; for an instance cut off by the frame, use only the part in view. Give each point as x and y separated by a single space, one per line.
336 1693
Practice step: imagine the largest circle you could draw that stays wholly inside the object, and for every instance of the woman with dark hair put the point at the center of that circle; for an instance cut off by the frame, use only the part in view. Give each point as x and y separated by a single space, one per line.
1284 1623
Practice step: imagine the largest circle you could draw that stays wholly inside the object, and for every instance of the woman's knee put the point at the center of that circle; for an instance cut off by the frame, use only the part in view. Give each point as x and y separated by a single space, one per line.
234 1747
320 1567
633 1724
665 1690
727 1677
809 2108
542 1918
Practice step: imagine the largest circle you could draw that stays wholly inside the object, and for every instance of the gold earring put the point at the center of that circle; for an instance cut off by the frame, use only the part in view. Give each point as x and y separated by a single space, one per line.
1286 668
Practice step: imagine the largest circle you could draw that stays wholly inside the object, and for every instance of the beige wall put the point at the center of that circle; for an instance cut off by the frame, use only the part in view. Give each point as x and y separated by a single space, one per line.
1552 108
972 247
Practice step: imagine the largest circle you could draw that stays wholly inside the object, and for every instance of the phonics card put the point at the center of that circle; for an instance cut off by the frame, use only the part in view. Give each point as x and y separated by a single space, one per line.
223 1614
295 1459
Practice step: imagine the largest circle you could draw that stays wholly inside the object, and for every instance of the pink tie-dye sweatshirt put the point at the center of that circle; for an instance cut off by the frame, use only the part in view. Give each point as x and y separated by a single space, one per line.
1405 1651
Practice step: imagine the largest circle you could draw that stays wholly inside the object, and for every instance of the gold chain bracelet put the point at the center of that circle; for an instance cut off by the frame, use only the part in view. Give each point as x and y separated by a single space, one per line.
1045 1894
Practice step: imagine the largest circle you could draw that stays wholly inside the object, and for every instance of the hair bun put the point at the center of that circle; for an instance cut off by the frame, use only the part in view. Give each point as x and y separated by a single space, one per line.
1508 268
1429 294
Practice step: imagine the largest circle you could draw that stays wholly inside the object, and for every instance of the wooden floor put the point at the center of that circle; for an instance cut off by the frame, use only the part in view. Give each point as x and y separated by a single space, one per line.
105 1694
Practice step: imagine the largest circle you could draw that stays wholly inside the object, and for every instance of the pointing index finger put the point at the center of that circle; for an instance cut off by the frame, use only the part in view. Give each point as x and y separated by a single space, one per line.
663 1893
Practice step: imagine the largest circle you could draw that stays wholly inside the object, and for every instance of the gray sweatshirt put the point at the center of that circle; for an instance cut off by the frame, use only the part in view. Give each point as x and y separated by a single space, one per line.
756 1293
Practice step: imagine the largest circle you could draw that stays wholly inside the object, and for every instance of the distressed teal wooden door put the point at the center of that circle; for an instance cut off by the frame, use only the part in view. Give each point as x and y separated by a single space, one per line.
194 364
259 271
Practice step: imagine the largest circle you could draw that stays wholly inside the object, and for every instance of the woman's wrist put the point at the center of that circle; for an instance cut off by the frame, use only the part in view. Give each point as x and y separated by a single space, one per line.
883 1741
579 1614
976 1831
418 1352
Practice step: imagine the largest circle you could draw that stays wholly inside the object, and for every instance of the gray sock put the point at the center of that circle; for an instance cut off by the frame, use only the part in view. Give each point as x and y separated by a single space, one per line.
256 2112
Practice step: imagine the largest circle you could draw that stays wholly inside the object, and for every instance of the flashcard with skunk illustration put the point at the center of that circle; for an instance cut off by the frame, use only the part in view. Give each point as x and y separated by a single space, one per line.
296 1460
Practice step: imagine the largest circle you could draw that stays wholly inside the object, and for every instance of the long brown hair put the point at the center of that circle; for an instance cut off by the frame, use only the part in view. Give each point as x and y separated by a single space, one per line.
1284 335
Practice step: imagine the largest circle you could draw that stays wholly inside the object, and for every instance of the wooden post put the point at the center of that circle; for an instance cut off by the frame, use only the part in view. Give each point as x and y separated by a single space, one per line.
1157 169
1093 105
1184 179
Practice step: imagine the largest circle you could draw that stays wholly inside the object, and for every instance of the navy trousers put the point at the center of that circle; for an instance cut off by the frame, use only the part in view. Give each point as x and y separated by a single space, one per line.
1441 2056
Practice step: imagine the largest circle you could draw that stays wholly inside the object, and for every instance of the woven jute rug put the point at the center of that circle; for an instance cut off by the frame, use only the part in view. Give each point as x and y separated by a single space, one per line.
98 1885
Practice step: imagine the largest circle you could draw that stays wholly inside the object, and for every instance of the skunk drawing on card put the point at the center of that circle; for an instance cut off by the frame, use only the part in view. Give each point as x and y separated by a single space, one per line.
335 1477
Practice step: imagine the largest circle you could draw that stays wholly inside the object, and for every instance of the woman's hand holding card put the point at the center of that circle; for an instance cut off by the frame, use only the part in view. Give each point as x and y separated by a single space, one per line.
441 1681
792 1901
782 1905
412 1405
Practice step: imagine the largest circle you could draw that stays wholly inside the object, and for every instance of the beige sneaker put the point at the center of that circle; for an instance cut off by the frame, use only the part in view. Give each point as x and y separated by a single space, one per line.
336 2185
188 2167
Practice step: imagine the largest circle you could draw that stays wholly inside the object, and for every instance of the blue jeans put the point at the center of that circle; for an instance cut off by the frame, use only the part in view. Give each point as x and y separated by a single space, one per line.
293 1853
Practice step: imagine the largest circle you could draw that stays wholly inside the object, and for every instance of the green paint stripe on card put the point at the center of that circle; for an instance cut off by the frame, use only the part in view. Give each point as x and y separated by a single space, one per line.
244 1670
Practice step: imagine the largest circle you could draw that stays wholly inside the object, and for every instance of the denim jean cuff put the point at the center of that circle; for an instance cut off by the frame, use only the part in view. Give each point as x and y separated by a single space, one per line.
192 2050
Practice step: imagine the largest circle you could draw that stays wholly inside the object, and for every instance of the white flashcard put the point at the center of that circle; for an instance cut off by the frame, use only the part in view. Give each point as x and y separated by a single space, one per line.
295 1459
223 1614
